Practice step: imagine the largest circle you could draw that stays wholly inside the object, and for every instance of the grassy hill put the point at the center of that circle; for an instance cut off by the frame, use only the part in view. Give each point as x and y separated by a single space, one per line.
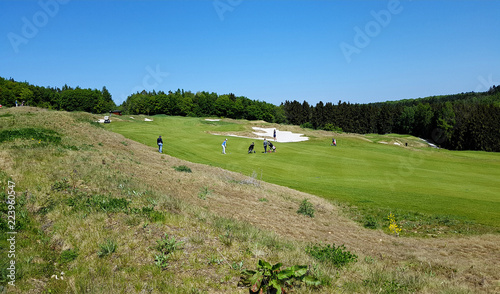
97 206
409 178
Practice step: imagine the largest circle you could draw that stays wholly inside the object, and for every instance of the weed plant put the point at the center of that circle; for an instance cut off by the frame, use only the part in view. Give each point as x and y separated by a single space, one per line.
68 255
337 256
204 192
166 247
182 168
107 248
272 279
306 208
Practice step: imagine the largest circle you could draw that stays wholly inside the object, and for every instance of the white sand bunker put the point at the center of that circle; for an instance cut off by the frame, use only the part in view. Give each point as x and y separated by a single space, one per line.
147 119
281 136
211 119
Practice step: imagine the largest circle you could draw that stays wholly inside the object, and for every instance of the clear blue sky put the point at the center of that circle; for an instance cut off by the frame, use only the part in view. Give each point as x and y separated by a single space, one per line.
357 51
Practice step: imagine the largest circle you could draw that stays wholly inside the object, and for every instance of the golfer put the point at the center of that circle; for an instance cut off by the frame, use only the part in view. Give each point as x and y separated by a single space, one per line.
224 146
274 135
159 141
265 146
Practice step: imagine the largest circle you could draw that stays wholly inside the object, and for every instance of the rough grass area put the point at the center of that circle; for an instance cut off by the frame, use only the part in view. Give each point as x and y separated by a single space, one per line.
95 219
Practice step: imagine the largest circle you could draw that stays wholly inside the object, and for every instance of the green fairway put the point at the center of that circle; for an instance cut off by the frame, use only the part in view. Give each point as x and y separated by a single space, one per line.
358 171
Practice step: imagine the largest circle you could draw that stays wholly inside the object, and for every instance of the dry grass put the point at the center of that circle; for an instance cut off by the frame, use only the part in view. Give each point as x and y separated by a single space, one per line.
234 209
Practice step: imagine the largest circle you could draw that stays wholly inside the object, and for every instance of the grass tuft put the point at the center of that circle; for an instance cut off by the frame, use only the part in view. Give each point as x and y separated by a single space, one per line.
107 248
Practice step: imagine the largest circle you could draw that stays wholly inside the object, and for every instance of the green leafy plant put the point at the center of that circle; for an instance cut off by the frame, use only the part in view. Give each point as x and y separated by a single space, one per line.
68 255
204 192
61 185
237 265
332 128
161 260
166 246
370 222
272 279
307 125
338 256
182 168
152 214
306 208
107 248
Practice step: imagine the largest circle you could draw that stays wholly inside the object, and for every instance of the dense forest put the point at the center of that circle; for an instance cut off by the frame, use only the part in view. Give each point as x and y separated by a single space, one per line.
201 104
65 98
466 121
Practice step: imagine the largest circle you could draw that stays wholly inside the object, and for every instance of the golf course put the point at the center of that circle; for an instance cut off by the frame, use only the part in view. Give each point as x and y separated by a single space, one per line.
99 210
395 173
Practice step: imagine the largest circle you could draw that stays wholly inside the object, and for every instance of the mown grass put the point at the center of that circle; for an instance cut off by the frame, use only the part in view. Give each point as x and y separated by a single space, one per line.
464 187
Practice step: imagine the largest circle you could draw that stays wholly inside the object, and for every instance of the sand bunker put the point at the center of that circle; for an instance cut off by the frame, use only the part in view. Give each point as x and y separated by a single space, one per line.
211 119
147 119
281 136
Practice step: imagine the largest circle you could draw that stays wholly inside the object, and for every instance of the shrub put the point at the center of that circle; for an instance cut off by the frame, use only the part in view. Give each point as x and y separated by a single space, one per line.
306 208
338 256
370 222
332 128
307 125
272 279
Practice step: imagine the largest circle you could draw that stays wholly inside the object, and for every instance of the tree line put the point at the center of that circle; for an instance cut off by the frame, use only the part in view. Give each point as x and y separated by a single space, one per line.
466 121
200 104
65 98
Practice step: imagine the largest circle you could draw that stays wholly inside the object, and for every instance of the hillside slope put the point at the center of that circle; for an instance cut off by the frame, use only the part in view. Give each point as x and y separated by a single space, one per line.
94 205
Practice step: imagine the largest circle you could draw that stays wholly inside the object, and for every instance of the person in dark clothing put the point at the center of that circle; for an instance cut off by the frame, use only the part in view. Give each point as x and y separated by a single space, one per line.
271 147
159 141
265 146
250 149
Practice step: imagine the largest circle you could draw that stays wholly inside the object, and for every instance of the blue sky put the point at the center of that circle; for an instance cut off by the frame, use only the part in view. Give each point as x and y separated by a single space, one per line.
313 50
